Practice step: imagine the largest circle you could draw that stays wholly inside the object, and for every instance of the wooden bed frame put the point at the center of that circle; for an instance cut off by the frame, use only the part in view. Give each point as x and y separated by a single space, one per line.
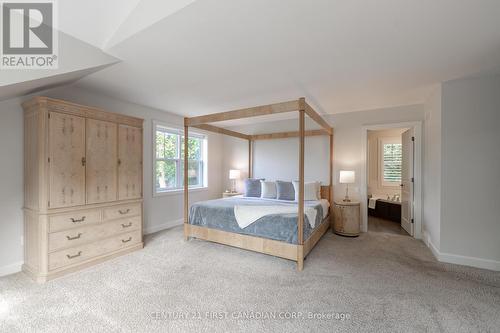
295 252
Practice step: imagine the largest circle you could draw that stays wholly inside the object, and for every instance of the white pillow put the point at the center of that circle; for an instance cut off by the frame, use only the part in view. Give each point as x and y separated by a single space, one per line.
268 190
311 190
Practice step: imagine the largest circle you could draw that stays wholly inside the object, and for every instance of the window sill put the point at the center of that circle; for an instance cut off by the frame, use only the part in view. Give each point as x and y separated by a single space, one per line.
178 192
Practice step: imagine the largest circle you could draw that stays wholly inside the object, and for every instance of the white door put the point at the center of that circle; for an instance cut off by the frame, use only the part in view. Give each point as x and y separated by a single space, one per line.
407 181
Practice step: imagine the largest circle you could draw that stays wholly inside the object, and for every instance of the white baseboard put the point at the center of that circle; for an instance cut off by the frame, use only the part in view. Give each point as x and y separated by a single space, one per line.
430 245
11 269
163 226
459 259
470 261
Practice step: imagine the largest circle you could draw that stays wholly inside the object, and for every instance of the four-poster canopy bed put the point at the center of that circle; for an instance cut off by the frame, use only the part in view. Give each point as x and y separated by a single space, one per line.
298 249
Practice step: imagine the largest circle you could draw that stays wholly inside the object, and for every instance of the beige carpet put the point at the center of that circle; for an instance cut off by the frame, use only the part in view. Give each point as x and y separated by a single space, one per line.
378 283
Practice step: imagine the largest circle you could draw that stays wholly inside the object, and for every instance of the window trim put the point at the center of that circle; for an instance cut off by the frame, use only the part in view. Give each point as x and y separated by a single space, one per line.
382 141
204 160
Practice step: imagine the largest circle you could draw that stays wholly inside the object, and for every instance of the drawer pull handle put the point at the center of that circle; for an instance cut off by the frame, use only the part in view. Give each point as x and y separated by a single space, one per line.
76 237
127 225
123 212
74 256
78 220
127 240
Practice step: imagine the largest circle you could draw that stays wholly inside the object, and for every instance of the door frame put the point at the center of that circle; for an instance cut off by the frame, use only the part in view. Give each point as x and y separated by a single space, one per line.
417 209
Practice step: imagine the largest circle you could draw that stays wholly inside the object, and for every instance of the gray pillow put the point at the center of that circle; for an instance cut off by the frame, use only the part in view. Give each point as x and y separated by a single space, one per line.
285 190
252 187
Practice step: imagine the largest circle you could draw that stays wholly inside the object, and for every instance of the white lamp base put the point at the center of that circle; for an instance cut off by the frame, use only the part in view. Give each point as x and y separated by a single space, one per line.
346 198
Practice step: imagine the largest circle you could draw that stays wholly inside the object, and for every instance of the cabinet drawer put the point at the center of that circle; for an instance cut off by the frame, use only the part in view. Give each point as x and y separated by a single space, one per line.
84 252
124 225
73 219
117 212
77 236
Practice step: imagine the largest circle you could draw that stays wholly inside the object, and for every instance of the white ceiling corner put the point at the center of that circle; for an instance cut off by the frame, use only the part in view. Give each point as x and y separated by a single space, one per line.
85 28
76 60
34 85
145 14
93 21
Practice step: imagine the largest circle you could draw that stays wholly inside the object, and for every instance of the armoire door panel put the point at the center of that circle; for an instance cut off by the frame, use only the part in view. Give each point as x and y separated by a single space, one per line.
101 161
129 162
66 160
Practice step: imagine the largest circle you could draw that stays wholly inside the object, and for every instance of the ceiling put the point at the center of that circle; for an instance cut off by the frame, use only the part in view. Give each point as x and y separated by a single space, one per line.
196 57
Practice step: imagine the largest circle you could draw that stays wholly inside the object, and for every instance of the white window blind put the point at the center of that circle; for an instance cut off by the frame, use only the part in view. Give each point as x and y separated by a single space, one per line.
392 161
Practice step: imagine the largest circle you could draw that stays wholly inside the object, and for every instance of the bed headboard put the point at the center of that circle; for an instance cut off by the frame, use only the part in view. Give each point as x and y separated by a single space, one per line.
325 192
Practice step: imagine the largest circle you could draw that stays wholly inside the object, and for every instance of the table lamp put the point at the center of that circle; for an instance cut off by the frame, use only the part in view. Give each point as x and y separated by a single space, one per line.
346 177
233 175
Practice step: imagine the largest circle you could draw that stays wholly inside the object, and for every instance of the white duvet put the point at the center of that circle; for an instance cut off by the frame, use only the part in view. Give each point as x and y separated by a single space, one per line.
246 215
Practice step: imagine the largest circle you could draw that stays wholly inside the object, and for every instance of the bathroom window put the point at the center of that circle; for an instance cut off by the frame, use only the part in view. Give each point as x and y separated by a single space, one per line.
391 157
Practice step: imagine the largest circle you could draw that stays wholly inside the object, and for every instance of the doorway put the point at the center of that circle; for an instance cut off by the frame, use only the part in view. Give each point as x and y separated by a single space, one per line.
391 179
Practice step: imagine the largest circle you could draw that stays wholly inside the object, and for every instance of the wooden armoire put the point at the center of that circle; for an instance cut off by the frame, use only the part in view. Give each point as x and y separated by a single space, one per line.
83 174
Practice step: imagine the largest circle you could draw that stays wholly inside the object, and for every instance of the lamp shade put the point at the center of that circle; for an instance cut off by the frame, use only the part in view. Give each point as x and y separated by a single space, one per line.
346 177
234 174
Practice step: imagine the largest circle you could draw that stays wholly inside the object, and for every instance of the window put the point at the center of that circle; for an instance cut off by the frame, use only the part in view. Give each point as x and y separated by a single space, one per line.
391 156
169 159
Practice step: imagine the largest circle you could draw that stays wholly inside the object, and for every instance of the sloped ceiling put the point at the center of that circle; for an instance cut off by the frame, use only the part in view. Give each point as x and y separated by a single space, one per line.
76 60
196 57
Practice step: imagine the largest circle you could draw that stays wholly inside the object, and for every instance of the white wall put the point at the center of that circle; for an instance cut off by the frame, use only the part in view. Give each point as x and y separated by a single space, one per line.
235 157
277 159
159 212
11 186
432 171
348 138
470 183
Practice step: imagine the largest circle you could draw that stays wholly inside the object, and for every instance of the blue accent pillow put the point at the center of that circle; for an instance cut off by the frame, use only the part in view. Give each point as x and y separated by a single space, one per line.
252 187
285 190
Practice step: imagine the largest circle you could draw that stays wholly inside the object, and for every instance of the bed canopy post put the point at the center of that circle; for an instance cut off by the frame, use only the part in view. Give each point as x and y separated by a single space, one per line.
300 219
250 158
186 185
331 174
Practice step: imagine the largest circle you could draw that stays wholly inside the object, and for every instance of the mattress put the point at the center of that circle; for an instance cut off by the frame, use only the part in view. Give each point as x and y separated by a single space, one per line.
219 214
